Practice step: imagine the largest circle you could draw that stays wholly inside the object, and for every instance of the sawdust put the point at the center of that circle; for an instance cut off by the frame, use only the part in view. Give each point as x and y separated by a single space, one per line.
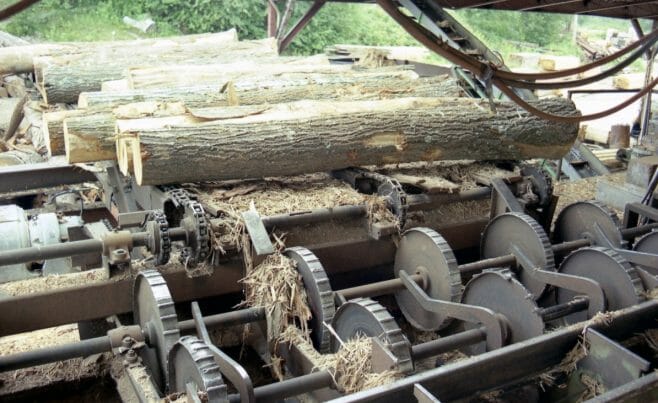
593 387
566 367
651 339
350 367
42 375
52 282
583 189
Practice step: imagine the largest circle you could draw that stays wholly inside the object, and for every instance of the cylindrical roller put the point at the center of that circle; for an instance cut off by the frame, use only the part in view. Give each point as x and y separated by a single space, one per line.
191 361
587 219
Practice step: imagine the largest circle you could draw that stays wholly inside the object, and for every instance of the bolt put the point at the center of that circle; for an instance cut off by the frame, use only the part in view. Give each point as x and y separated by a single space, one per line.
131 356
127 341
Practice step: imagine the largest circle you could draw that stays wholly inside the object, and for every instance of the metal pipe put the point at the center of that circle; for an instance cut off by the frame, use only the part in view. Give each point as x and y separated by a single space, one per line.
427 202
313 216
38 253
47 355
290 387
449 343
378 288
630 233
559 311
232 318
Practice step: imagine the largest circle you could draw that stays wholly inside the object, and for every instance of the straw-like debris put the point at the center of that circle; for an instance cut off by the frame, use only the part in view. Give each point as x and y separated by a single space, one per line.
593 387
566 367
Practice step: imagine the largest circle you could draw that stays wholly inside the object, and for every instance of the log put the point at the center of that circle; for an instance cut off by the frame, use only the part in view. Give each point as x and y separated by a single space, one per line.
197 102
19 157
312 136
356 86
188 75
20 59
86 138
628 81
63 79
53 129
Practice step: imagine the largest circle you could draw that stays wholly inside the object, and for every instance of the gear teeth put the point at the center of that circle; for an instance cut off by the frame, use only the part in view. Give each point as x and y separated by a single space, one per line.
645 238
161 252
542 236
319 290
388 330
205 371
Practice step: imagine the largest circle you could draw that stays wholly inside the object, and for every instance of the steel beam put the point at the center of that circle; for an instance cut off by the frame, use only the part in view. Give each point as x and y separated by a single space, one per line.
56 172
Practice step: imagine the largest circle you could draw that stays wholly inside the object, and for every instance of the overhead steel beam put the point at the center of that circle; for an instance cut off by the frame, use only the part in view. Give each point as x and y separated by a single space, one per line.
56 172
300 24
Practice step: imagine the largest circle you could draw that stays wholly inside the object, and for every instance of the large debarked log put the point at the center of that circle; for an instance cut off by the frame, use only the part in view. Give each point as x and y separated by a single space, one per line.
312 136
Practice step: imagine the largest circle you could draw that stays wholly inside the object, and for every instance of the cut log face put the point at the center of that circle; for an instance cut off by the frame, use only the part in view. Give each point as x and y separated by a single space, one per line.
312 136
53 129
88 138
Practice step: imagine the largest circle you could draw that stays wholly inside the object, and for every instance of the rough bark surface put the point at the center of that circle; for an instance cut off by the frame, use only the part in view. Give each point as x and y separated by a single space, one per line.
20 59
90 138
218 74
251 92
312 136
63 79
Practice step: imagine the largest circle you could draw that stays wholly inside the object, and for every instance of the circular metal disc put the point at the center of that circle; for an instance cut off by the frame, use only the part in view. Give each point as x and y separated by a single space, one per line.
319 294
365 317
579 220
153 310
424 250
190 361
619 280
500 291
523 231
648 243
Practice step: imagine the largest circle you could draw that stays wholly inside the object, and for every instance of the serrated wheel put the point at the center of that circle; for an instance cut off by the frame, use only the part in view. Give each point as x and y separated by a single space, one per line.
582 219
191 361
319 294
159 242
501 292
424 251
621 284
523 231
363 317
648 243
153 310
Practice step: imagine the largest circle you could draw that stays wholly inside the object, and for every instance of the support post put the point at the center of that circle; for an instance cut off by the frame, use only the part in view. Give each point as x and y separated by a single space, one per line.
299 25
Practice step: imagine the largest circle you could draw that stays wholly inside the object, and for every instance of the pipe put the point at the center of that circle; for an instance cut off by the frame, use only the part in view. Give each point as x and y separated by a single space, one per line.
38 253
227 319
290 387
47 355
559 311
378 288
444 344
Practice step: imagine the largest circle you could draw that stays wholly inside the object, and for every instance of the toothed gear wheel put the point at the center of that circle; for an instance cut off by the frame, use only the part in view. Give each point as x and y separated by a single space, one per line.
523 231
648 243
365 317
501 292
424 251
542 184
319 293
154 311
579 220
392 190
198 239
159 242
191 361
619 280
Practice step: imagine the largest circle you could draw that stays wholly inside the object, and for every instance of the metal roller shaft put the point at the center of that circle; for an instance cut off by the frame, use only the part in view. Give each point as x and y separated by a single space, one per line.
290 387
47 355
378 288
227 319
558 311
449 343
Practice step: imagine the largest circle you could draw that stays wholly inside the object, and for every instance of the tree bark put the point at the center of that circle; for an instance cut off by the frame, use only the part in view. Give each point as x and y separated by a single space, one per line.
217 74
357 86
312 136
62 79
90 138
20 59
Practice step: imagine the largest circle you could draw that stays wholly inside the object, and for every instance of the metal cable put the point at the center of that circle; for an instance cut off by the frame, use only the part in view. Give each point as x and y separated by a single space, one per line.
16 8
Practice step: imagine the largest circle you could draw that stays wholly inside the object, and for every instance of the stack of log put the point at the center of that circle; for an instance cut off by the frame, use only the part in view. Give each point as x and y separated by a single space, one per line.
210 107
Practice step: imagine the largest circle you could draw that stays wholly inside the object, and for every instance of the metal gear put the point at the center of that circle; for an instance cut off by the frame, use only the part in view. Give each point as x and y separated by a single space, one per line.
319 294
501 292
366 317
523 231
619 280
648 243
191 361
153 310
159 242
580 220
424 251
392 191
198 239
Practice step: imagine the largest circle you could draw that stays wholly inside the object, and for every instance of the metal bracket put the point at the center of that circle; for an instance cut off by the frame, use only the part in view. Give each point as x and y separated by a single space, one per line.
496 331
648 260
229 368
132 219
260 239
117 247
126 337
381 230
502 199
614 364
382 358
423 395
582 285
